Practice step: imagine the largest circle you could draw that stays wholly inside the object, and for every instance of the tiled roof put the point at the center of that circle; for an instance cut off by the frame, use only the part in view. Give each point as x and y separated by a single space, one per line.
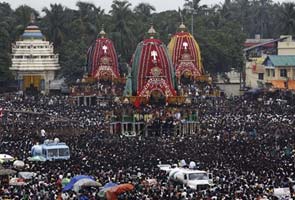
280 60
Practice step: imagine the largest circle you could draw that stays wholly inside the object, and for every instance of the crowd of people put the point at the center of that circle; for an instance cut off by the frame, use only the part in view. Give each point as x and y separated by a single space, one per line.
246 142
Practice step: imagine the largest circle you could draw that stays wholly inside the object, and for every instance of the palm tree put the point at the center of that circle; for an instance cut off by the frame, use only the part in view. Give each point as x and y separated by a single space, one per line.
6 27
288 18
144 9
144 18
22 19
54 24
263 16
122 18
194 5
88 19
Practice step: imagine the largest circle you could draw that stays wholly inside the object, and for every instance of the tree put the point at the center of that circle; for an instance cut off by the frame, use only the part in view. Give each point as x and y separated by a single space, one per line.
122 20
166 28
6 25
87 20
54 24
72 60
288 18
22 17
144 10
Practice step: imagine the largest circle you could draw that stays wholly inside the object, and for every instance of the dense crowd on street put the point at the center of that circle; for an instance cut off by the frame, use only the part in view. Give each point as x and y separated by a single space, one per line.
247 142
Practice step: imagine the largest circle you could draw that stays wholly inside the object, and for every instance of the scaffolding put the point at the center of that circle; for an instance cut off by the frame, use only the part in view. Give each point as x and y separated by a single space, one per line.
129 127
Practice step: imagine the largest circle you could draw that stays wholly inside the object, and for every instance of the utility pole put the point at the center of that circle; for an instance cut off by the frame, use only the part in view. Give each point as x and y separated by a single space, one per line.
193 12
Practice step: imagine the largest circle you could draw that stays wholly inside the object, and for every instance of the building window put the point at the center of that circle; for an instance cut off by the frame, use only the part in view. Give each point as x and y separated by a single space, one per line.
283 72
273 73
260 76
268 72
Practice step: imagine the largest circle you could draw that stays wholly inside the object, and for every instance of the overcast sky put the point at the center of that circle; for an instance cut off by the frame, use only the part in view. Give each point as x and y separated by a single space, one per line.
160 5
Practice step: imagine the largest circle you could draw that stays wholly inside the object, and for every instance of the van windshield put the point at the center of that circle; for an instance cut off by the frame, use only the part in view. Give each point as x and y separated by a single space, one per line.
64 152
198 176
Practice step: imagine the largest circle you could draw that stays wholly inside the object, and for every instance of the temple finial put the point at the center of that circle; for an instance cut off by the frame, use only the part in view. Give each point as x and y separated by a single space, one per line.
102 33
182 27
32 18
152 32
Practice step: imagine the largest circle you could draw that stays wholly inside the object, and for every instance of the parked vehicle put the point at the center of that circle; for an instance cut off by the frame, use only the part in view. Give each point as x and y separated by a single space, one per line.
52 150
192 178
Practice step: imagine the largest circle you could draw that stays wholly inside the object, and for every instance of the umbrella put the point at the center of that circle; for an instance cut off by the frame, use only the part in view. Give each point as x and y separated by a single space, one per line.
27 175
17 182
6 157
112 194
37 159
85 182
105 188
18 164
110 184
75 179
65 181
4 172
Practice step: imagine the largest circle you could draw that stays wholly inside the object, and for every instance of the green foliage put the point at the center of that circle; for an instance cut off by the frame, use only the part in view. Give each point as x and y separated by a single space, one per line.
219 29
6 24
72 60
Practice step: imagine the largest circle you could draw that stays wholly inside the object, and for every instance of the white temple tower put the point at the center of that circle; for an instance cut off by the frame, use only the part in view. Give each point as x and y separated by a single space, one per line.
34 62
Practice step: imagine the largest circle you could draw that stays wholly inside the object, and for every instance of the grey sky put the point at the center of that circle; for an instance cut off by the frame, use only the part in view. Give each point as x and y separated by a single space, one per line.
160 5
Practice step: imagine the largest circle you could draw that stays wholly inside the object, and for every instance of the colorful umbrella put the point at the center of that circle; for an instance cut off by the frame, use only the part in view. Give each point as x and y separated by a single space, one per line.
65 181
85 182
106 187
77 182
112 194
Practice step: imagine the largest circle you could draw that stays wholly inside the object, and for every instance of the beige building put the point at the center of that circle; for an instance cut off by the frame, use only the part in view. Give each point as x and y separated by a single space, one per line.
280 71
255 72
286 46
34 62
275 69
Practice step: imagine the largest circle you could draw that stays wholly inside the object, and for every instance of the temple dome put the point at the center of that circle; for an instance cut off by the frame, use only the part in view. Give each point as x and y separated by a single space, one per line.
102 61
32 31
185 53
152 69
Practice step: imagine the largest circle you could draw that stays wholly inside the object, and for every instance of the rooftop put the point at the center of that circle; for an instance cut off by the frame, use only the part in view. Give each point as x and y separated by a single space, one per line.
280 60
